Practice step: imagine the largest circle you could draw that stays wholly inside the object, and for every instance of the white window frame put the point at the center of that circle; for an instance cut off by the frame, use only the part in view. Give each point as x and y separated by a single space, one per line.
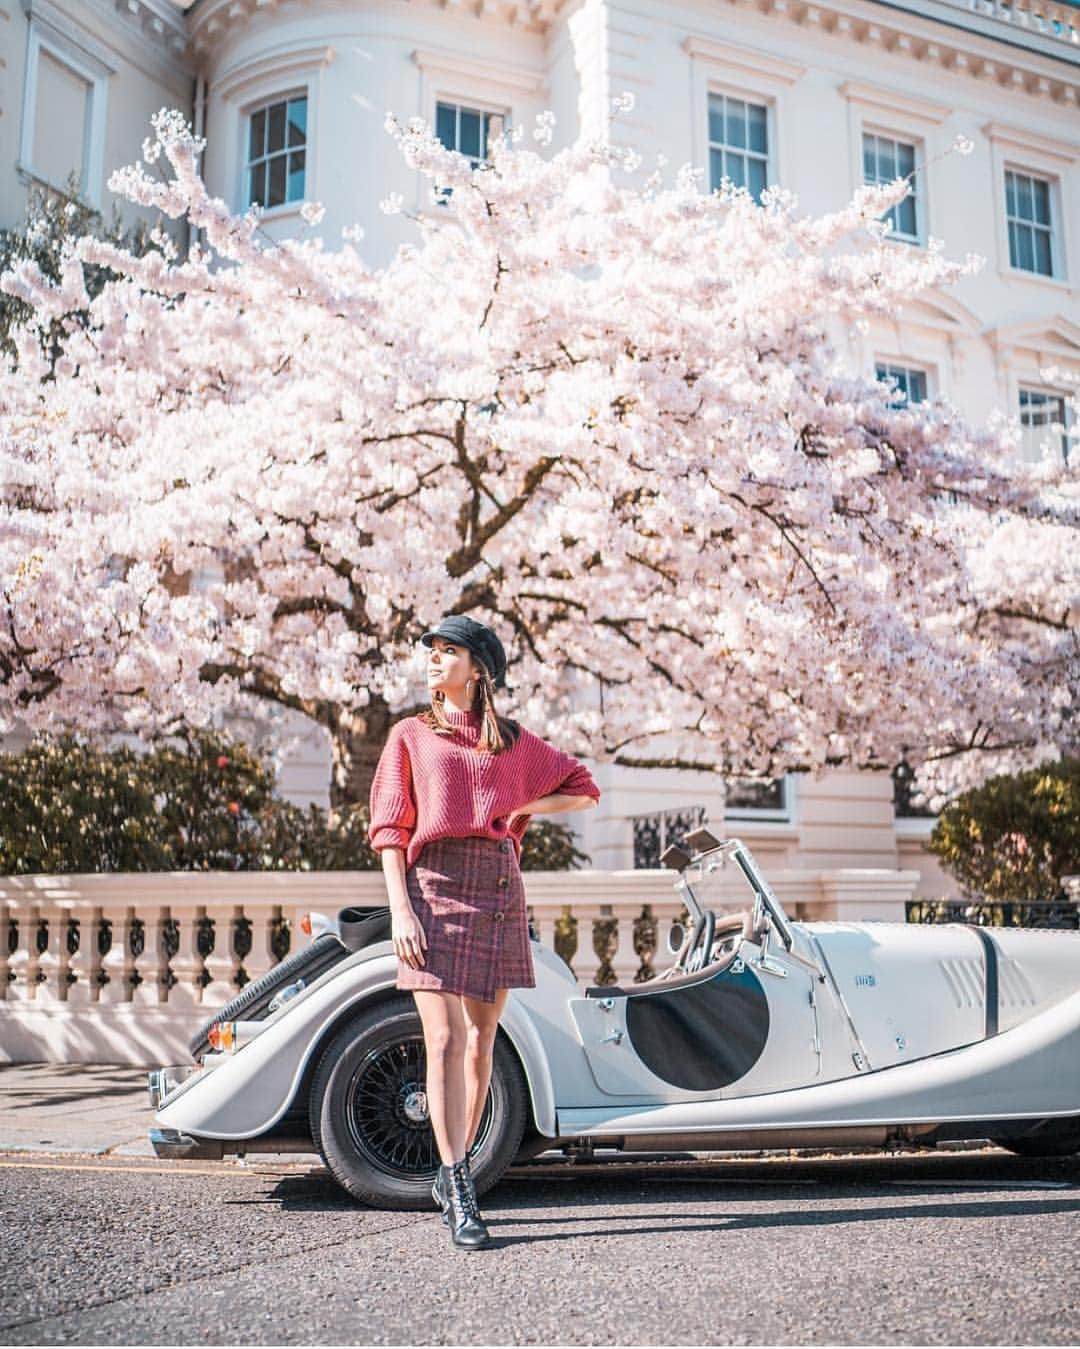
265 104
910 365
918 194
504 90
463 104
785 814
748 73
250 84
1037 387
769 104
877 110
86 58
1042 156
1051 228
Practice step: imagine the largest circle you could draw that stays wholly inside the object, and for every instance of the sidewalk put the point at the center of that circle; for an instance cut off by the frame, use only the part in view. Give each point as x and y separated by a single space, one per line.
78 1108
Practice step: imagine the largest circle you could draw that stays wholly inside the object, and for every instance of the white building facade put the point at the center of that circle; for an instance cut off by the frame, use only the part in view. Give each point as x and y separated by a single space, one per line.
819 97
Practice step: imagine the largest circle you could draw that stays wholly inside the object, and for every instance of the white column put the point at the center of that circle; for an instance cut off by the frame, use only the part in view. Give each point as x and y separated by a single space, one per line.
221 963
23 962
261 956
85 963
187 963
117 963
52 962
151 965
625 960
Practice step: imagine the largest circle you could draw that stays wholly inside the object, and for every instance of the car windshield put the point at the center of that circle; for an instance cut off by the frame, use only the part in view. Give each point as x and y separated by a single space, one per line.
718 883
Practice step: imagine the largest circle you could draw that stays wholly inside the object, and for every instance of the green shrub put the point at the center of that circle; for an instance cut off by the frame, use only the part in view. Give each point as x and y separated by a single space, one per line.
1015 836
198 801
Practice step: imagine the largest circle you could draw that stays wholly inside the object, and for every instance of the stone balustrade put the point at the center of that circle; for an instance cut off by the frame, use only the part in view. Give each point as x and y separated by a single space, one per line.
123 968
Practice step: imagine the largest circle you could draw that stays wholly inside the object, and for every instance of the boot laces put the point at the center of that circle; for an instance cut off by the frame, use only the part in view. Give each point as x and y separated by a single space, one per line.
462 1191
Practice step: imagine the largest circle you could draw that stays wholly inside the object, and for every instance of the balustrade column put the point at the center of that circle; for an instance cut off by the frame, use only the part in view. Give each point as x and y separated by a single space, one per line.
23 961
84 962
587 960
186 964
52 960
117 963
221 962
261 957
543 919
148 952
625 960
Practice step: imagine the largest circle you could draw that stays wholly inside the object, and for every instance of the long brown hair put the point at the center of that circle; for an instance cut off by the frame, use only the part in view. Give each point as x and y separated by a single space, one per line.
496 733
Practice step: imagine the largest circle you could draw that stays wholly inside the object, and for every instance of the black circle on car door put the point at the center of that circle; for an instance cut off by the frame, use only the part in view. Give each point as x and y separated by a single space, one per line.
701 1036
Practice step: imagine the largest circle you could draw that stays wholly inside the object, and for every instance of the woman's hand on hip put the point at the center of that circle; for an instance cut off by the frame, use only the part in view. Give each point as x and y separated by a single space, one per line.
409 938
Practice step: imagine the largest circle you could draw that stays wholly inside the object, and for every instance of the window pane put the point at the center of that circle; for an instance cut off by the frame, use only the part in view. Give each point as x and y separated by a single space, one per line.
296 175
716 118
1042 252
470 133
1040 190
755 177
1023 197
905 215
257 183
736 123
298 121
1014 244
1010 194
716 168
756 125
1027 251
869 159
905 159
886 160
64 101
736 167
917 386
256 141
275 190
275 139
445 128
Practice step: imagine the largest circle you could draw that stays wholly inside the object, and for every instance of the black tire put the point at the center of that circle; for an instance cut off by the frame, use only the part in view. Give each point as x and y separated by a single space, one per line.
1059 1145
254 999
365 1115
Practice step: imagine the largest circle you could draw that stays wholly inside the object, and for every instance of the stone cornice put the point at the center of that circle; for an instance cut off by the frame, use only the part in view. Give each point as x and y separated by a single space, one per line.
733 56
895 101
1019 138
280 61
518 78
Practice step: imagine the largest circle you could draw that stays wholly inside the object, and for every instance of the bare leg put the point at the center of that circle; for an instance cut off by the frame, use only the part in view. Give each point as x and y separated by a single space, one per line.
482 1022
444 1042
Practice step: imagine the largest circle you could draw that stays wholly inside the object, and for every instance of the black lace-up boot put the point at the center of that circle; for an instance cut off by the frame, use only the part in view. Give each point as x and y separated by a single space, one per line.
462 1212
440 1191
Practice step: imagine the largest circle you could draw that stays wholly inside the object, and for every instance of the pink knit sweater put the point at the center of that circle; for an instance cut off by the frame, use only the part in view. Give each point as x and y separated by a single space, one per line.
430 786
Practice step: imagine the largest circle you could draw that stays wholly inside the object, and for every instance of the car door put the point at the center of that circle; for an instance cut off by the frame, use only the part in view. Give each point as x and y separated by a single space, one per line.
740 1026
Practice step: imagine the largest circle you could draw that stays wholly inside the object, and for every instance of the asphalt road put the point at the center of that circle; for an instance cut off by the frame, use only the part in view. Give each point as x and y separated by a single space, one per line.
962 1248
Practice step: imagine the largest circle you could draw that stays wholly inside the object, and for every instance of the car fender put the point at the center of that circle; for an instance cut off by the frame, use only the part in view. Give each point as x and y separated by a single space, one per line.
250 1091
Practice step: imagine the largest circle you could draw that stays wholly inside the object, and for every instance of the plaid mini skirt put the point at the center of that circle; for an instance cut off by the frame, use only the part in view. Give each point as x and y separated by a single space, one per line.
468 896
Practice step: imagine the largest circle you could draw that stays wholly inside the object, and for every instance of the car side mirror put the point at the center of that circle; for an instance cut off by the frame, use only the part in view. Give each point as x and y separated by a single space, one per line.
675 938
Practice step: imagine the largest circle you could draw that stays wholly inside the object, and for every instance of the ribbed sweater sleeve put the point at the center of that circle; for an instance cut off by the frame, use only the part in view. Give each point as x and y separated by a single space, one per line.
554 772
392 812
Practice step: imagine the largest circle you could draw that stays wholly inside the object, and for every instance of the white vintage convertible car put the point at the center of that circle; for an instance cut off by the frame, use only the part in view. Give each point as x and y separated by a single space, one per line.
765 1032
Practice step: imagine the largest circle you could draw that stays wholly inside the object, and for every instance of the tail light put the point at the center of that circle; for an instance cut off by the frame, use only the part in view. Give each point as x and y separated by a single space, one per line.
305 924
222 1037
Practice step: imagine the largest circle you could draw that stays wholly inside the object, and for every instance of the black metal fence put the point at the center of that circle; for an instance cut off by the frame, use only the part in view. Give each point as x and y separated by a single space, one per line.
991 913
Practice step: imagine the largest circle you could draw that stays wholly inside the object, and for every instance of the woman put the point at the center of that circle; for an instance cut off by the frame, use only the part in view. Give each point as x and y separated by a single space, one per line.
452 796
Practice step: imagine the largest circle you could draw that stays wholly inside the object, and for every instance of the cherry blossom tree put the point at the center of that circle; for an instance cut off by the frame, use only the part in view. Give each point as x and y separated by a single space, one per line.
615 421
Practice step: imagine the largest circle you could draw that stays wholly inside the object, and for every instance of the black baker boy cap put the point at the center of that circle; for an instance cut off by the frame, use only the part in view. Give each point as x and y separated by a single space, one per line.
478 638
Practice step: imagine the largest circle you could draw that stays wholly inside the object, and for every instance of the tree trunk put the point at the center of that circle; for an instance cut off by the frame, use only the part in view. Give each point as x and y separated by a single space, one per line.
356 740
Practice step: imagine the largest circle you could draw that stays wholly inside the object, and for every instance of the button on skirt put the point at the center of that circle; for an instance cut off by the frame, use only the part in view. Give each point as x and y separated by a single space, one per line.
468 896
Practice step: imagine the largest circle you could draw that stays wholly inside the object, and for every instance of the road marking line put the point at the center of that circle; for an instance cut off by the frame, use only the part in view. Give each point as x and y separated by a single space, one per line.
989 1184
128 1170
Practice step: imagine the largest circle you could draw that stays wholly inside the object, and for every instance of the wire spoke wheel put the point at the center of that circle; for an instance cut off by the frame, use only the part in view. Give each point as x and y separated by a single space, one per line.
387 1115
370 1118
